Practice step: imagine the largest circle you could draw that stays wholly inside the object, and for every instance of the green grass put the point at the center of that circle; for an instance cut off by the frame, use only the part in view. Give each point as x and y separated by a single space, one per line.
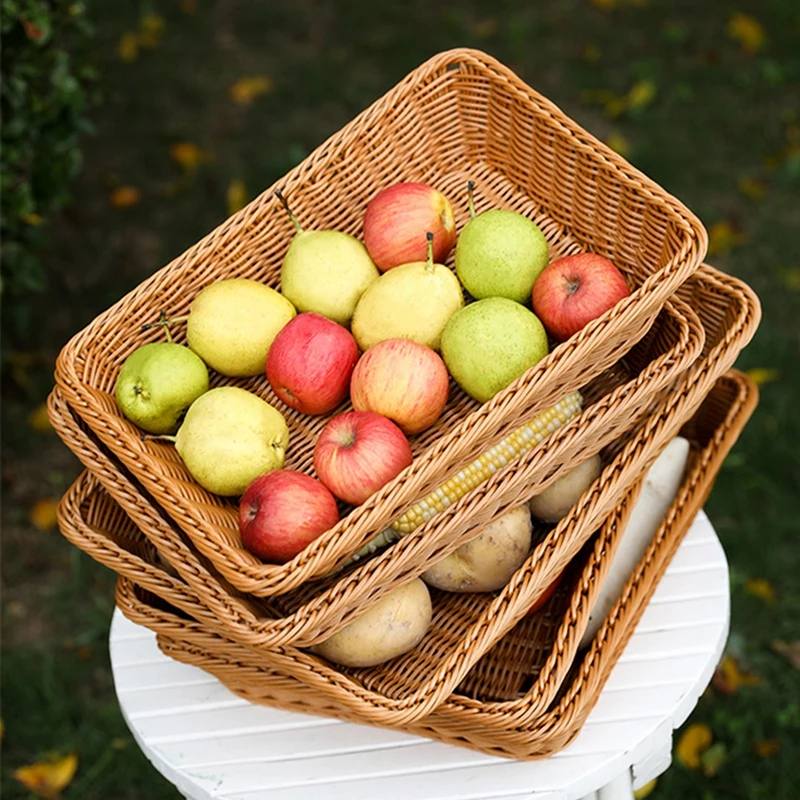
718 115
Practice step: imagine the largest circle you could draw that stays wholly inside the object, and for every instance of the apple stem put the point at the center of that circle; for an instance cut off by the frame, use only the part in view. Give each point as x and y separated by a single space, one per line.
470 199
430 265
163 437
288 210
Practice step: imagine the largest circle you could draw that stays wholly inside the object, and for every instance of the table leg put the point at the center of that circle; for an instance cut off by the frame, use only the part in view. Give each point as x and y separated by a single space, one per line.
619 789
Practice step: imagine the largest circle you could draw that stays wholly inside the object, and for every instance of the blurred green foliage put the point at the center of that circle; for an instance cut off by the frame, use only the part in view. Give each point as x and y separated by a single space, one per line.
46 89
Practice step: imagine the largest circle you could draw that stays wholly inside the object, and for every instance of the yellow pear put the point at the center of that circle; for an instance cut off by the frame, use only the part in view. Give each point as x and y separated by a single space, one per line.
413 301
325 272
229 437
232 323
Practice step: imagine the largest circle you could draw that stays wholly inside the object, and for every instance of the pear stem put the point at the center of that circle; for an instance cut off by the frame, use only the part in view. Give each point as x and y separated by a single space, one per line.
164 322
288 210
429 266
470 200
155 437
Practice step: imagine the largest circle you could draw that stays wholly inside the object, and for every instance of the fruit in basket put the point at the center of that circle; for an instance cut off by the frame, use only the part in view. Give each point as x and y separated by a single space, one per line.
402 380
283 511
358 452
500 253
157 383
325 271
559 497
490 343
229 437
387 629
487 562
232 323
397 219
574 290
412 301
310 363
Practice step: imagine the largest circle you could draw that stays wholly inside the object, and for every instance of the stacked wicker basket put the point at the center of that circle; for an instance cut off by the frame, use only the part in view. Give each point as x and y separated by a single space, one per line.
487 675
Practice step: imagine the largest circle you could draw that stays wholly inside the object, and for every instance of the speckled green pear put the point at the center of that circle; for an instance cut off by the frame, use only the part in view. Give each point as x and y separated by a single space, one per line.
232 324
157 383
490 343
229 437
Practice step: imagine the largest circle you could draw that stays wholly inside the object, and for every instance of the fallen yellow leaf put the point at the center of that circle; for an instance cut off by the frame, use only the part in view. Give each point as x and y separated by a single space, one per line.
188 6
752 189
766 748
728 678
484 28
646 790
128 47
125 196
48 778
791 278
713 759
761 588
245 90
2 729
604 5
39 420
33 219
762 375
695 739
789 650
619 144
722 238
151 30
43 514
641 94
236 196
747 31
188 155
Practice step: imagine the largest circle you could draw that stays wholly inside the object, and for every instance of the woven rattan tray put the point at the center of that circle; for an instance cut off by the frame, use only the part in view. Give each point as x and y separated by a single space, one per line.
507 729
460 116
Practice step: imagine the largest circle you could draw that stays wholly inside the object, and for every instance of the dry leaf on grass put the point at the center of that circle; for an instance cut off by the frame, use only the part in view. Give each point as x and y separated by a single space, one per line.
759 587
128 47
188 156
751 188
646 790
747 31
762 375
246 90
728 677
619 144
39 420
695 740
789 650
125 197
713 759
766 748
43 514
236 196
34 220
151 30
723 237
48 779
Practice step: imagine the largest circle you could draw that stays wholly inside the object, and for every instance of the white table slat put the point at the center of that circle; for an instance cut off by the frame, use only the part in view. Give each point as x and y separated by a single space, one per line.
215 746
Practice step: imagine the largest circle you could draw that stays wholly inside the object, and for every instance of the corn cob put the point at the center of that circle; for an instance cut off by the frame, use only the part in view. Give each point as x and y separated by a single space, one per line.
514 445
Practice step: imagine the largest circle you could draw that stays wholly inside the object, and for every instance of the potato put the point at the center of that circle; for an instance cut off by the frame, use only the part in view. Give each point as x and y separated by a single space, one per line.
488 561
390 627
558 498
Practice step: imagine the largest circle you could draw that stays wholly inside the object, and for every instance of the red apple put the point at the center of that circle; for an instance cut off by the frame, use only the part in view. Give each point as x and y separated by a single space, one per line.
574 290
402 380
283 511
397 222
358 452
310 362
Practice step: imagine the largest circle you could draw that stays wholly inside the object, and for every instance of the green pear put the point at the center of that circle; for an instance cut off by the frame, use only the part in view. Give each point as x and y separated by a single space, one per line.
490 343
229 437
157 383
232 323
500 254
325 272
413 301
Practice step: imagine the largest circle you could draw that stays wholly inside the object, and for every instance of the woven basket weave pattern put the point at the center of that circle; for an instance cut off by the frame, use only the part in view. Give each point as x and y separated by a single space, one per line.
496 728
461 115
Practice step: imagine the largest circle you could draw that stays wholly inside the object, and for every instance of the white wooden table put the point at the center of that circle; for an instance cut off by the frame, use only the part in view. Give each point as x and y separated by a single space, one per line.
212 744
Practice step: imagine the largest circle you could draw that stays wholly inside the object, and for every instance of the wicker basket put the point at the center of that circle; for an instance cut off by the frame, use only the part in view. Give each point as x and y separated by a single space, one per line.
512 728
460 115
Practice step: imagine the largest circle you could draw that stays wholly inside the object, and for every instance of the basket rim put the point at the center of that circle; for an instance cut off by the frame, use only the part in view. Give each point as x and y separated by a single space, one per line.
70 366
